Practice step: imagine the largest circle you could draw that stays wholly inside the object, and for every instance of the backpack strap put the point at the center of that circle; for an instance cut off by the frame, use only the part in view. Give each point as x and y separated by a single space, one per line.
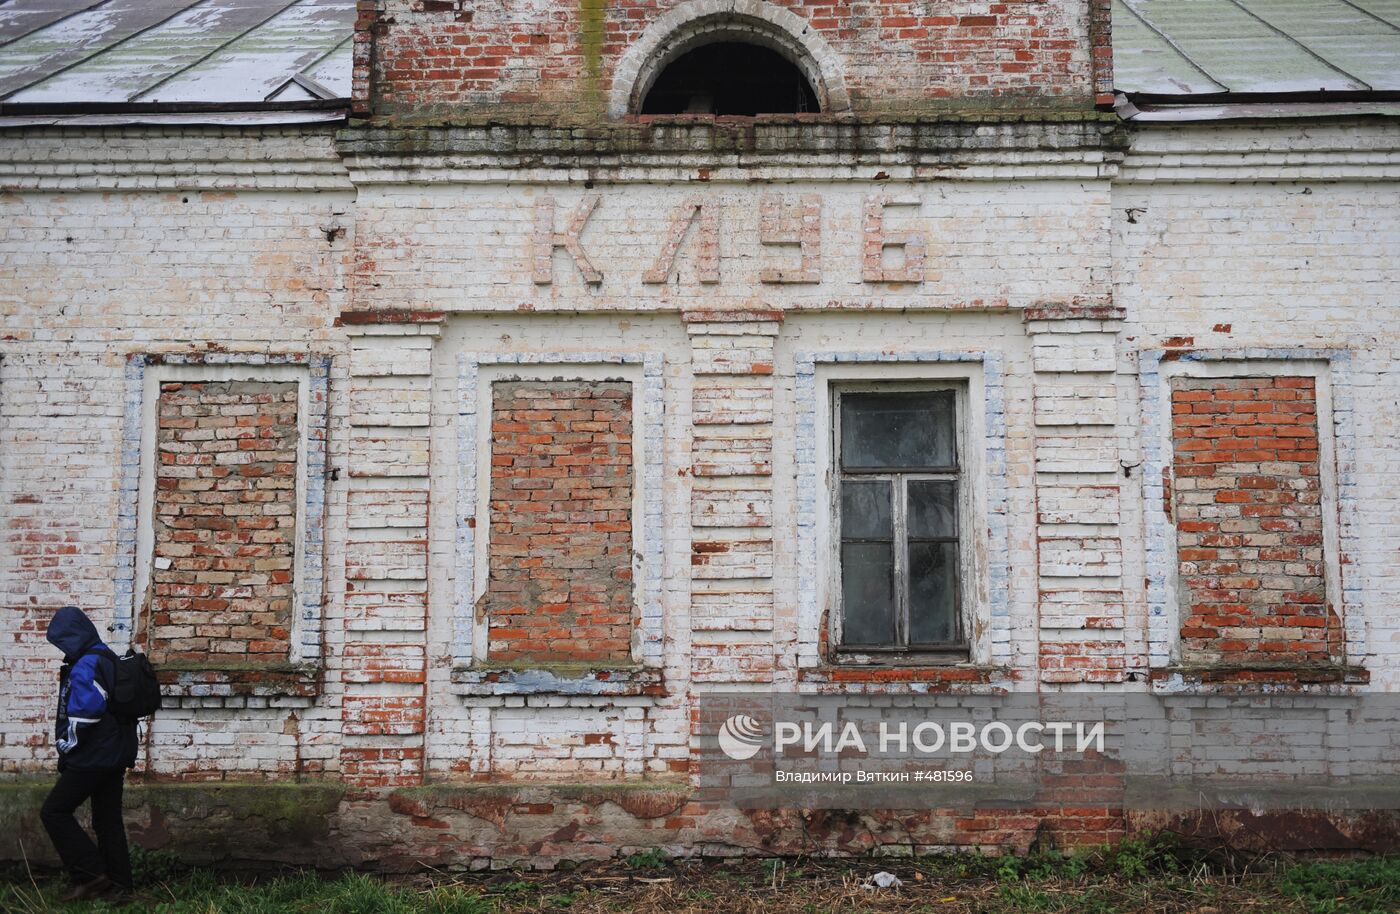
110 655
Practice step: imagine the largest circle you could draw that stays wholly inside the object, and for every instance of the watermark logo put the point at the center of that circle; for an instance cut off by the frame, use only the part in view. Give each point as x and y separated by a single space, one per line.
741 737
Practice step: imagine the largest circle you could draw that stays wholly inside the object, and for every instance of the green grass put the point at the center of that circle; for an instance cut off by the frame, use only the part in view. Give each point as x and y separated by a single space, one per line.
1345 886
651 859
204 893
1134 877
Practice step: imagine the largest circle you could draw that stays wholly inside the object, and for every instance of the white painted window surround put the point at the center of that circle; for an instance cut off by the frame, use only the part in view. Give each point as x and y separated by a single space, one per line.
986 566
136 542
477 372
1336 467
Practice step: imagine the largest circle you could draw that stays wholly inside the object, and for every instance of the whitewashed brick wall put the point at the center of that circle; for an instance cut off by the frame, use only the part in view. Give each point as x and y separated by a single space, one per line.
145 241
1279 238
192 239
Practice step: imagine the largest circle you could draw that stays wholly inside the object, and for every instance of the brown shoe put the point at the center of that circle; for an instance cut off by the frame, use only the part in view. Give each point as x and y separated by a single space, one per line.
90 889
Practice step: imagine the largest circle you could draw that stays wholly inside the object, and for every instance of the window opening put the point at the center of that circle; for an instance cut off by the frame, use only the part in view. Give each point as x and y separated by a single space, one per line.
731 78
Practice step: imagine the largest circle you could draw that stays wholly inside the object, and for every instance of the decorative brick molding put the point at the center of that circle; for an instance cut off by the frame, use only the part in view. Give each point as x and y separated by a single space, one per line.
384 700
909 679
986 474
1260 153
475 672
1084 636
578 679
263 686
1175 643
175 157
695 23
236 375
969 146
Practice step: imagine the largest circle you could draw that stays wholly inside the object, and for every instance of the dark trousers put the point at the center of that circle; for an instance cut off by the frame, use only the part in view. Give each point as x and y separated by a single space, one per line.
84 860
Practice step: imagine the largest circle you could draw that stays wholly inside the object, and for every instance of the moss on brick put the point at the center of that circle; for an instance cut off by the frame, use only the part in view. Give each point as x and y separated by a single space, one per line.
955 130
21 797
591 25
650 799
204 820
287 810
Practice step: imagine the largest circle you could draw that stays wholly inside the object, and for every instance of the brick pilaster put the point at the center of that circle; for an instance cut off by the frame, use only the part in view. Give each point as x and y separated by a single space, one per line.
386 565
732 495
1078 479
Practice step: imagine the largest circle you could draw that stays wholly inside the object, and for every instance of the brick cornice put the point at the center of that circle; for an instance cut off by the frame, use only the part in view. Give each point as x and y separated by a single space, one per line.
982 144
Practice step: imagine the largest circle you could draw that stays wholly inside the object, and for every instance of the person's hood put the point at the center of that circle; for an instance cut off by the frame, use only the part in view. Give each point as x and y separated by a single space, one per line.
72 632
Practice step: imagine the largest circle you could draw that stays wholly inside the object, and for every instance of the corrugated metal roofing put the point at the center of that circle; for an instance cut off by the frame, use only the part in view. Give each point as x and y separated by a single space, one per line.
1214 47
217 52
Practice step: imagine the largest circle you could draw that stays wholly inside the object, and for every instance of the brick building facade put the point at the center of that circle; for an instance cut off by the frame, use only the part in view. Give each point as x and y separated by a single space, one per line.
450 446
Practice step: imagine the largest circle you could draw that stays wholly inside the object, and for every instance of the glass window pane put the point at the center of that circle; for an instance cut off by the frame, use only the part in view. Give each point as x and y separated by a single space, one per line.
865 510
867 593
898 430
933 508
933 575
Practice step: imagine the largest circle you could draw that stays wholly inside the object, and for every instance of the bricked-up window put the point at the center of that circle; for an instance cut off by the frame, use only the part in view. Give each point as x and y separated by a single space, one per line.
559 585
899 515
1247 503
224 522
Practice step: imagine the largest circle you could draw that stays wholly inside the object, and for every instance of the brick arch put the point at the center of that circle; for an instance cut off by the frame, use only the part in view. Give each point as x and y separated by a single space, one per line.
698 22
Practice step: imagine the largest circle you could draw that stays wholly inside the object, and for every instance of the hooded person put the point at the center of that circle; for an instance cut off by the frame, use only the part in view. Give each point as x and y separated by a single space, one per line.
95 747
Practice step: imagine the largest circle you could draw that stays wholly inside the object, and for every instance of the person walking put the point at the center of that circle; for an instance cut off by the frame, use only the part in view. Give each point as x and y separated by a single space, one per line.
95 747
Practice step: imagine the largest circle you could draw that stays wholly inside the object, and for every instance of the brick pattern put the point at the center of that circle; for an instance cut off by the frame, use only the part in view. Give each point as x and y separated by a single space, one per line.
560 555
1246 501
225 522
383 674
731 496
1078 475
431 58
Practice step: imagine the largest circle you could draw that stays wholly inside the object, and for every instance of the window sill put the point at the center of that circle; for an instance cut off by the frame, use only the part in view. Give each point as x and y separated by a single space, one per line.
924 658
584 680
243 685
1256 677
945 677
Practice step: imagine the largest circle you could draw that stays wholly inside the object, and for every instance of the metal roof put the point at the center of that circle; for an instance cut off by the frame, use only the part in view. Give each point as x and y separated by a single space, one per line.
1224 48
1245 58
231 53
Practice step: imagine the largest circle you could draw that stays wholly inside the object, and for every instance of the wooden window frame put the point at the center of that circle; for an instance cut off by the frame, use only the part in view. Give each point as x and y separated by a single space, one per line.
903 652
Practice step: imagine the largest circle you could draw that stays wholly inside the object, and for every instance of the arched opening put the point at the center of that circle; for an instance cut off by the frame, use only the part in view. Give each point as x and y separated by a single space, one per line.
731 78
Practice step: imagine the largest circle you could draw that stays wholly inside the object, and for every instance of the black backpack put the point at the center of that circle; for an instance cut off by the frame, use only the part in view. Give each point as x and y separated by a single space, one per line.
135 687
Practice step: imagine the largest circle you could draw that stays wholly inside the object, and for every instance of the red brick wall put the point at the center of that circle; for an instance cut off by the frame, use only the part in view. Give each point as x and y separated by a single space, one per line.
225 522
449 58
1247 503
560 554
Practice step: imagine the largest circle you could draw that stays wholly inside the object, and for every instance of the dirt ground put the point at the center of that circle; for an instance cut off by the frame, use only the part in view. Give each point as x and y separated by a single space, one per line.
1145 878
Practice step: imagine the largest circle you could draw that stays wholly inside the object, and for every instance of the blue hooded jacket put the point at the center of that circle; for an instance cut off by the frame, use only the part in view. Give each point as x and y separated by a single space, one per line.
87 734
